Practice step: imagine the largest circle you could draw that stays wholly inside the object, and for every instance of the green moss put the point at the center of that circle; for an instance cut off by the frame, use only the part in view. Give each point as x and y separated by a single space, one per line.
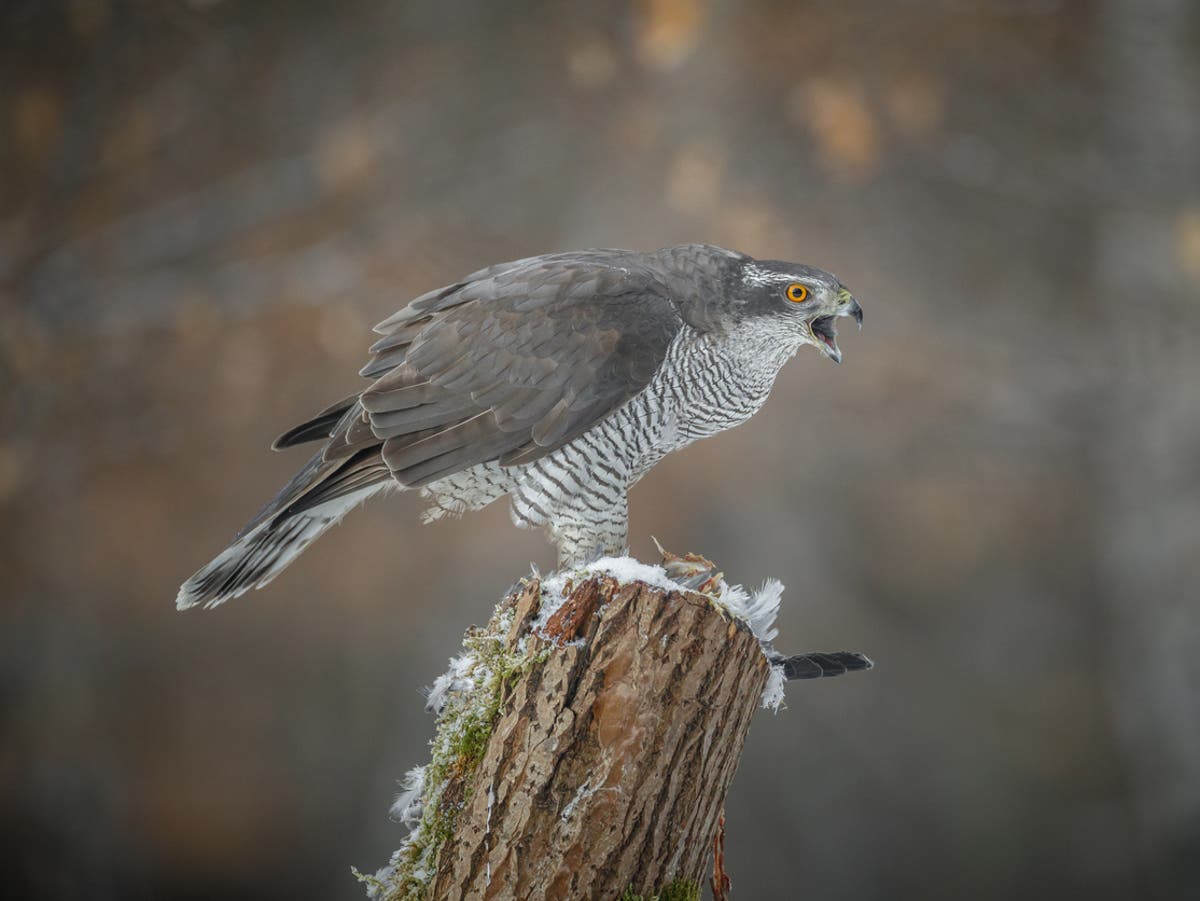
369 880
464 729
460 741
679 890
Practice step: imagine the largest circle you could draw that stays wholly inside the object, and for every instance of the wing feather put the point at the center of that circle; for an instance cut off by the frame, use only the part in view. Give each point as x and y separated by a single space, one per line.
548 348
403 422
320 426
506 365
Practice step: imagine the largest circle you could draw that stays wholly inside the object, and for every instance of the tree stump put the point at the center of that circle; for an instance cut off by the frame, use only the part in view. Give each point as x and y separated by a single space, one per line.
589 755
608 768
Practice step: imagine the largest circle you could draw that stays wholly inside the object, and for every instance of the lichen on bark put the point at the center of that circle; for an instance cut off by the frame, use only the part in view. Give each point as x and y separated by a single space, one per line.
464 725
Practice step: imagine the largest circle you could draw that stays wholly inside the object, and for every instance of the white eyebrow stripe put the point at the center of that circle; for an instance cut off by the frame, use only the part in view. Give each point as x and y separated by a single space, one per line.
754 275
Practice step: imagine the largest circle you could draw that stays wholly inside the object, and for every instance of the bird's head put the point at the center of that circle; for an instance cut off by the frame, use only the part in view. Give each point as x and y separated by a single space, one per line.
807 299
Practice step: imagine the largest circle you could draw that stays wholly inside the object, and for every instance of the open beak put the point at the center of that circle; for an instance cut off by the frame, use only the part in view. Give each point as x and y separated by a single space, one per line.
824 328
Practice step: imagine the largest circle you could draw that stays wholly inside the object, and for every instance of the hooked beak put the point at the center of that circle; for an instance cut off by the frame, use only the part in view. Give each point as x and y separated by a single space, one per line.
856 311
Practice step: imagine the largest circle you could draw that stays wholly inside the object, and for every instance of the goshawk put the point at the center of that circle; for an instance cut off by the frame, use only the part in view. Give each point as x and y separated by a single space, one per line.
558 380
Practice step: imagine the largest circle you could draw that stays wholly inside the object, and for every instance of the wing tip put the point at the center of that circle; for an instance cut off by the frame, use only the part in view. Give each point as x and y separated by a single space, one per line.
193 593
185 600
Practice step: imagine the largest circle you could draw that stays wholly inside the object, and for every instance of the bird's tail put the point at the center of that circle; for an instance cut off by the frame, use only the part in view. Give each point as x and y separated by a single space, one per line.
301 512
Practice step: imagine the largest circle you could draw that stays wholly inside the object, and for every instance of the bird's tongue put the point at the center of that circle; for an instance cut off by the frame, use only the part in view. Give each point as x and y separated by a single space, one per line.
824 329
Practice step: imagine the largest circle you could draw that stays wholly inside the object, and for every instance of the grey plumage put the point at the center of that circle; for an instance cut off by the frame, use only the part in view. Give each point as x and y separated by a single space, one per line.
558 380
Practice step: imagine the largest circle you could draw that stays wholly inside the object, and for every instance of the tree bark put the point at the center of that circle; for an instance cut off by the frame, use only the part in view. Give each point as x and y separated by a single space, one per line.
609 762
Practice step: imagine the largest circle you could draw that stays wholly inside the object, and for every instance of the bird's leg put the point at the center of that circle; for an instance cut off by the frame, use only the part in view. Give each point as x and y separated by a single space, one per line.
819 664
582 537
574 555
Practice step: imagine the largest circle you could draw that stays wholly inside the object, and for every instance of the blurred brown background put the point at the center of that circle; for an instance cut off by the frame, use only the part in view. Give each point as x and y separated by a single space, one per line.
204 206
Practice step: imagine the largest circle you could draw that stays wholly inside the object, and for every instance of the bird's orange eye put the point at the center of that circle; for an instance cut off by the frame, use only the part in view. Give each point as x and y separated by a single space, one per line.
797 293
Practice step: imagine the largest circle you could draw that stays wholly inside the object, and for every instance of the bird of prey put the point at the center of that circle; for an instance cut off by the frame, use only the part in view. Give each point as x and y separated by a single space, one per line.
558 380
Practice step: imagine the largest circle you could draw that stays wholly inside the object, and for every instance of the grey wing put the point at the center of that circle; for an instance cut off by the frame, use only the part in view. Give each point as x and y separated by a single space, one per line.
509 364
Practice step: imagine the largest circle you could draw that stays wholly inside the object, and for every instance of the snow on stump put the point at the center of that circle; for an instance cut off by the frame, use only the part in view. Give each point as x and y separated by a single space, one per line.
587 738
